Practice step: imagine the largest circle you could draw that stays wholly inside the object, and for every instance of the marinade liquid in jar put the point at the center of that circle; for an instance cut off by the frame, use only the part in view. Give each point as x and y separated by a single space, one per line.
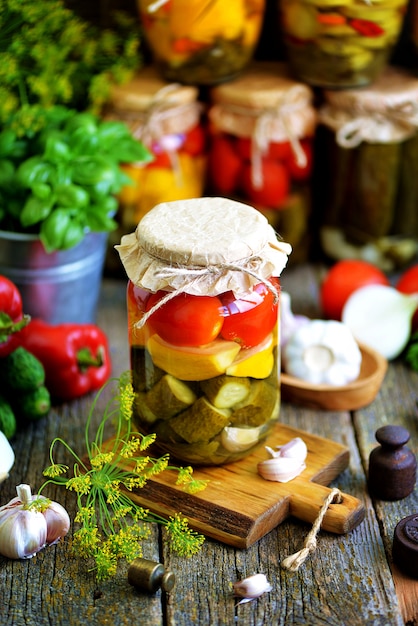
262 126
340 43
166 118
367 171
203 306
201 42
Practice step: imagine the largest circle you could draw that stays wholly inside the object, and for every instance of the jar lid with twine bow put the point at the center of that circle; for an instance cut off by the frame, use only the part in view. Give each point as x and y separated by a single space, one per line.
153 108
203 246
384 112
266 105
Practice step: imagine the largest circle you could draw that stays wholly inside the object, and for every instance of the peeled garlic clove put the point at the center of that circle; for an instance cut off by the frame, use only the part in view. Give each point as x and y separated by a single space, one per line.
251 588
295 448
238 439
280 469
7 457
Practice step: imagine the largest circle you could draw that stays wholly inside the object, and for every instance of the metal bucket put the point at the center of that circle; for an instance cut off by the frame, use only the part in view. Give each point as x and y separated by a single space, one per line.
62 286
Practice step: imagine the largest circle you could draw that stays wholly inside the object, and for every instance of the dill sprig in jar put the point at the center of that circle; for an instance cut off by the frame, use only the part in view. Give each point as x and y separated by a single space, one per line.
203 306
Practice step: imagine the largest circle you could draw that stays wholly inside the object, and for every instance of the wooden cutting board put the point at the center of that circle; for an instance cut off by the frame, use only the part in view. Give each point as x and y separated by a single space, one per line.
238 507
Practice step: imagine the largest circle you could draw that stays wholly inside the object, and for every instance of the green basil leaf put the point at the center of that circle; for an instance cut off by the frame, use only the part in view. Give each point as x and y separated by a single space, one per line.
129 150
7 171
91 170
53 229
34 170
99 220
73 235
57 149
71 196
35 210
41 191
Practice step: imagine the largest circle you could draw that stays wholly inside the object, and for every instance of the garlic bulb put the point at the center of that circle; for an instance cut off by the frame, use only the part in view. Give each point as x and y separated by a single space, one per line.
289 322
7 457
28 523
286 463
323 352
251 588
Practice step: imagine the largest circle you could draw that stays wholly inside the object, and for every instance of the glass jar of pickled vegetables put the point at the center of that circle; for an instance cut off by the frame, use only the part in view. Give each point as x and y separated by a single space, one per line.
201 42
367 171
340 43
202 300
166 117
262 126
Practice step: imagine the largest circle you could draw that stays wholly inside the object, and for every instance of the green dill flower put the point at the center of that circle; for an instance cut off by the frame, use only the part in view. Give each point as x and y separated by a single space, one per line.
112 525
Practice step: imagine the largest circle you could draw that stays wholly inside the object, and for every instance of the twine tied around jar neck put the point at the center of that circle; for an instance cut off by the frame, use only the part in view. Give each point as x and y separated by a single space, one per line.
161 118
195 274
263 123
395 123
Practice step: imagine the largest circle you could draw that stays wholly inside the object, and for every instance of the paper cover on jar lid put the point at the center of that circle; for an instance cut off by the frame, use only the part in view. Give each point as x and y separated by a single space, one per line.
202 245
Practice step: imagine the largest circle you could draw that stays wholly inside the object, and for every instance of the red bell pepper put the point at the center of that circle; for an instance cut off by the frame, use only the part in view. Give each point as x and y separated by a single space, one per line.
75 357
12 318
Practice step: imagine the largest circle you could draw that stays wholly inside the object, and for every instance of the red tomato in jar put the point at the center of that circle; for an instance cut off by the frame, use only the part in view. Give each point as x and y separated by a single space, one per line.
408 283
186 320
274 188
301 172
249 320
342 280
224 167
279 151
195 141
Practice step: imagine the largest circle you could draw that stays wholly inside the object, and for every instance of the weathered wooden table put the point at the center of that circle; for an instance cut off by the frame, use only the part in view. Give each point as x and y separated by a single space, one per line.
348 580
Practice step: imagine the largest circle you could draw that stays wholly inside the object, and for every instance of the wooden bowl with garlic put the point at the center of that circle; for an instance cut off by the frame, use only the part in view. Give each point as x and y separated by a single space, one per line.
354 395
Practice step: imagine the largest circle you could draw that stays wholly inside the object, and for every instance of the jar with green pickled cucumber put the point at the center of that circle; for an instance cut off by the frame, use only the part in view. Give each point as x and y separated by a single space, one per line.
340 43
201 42
368 169
262 127
203 307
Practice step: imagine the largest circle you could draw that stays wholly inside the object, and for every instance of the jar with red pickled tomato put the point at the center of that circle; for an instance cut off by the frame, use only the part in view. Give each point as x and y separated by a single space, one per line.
201 42
167 119
262 127
203 306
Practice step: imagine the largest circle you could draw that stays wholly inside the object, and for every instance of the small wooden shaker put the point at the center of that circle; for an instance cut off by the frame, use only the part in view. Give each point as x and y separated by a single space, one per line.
147 575
405 545
392 466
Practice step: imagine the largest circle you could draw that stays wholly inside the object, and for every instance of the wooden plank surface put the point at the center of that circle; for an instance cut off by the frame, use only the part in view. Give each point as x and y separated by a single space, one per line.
347 580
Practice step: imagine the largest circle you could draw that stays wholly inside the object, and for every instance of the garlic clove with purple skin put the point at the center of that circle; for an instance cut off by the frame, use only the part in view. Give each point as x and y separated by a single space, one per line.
22 530
29 523
251 588
286 463
57 521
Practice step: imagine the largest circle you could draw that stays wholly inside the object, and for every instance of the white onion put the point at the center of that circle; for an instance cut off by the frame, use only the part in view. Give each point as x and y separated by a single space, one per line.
380 316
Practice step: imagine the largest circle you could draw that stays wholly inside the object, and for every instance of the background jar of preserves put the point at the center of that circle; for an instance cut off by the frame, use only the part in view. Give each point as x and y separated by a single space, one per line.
203 298
366 179
166 117
340 43
201 42
262 126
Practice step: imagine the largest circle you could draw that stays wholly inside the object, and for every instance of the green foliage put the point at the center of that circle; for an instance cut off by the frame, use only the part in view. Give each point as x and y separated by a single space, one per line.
111 525
60 171
48 56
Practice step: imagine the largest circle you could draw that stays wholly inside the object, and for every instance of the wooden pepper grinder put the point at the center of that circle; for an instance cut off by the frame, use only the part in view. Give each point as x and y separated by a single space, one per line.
392 466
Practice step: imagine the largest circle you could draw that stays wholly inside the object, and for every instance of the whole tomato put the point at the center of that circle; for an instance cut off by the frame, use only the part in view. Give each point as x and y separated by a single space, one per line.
195 141
408 283
186 320
12 318
275 184
224 165
342 280
250 319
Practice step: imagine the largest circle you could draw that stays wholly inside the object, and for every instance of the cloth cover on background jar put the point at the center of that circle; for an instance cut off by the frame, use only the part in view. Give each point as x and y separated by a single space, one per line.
262 127
166 117
203 297
201 42
340 43
369 166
